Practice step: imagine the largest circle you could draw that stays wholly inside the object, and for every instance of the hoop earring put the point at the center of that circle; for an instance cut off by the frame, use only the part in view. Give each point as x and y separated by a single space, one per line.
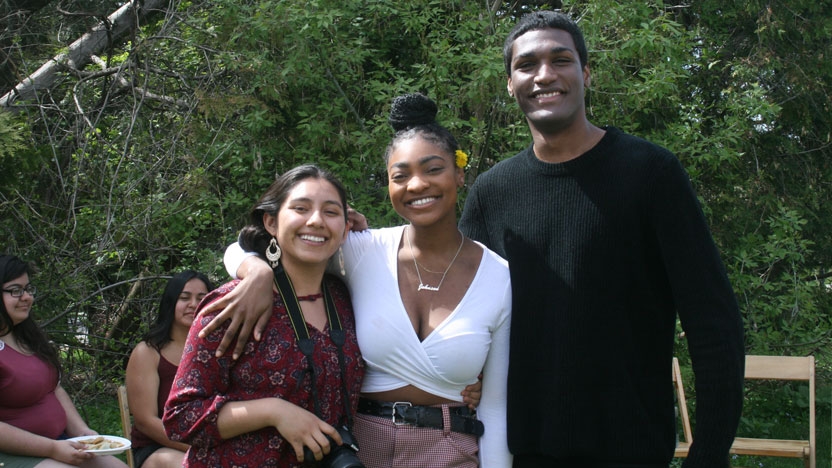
341 261
273 253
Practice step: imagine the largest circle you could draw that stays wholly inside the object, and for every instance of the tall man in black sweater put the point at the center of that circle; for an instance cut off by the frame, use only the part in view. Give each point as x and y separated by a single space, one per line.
606 243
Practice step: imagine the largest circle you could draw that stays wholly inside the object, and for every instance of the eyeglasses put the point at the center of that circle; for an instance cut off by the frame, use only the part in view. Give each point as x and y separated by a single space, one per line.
18 291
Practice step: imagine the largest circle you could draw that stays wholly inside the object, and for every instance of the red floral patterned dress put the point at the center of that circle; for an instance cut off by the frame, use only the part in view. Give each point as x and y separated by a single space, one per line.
271 367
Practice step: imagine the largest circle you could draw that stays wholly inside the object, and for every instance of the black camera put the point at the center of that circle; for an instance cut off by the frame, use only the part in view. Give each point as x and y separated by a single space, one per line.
341 456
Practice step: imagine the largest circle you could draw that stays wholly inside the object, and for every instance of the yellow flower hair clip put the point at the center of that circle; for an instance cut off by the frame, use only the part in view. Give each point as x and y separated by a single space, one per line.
461 158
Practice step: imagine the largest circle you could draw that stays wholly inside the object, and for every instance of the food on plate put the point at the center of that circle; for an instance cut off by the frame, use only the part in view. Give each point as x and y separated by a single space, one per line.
101 443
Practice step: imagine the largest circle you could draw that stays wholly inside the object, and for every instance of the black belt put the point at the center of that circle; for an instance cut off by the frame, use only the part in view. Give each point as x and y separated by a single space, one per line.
463 419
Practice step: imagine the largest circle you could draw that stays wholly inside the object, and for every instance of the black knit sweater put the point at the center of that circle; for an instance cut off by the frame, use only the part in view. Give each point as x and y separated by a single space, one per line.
604 251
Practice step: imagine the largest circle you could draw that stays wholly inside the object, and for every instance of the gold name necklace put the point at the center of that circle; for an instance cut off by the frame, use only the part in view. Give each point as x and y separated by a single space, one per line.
422 285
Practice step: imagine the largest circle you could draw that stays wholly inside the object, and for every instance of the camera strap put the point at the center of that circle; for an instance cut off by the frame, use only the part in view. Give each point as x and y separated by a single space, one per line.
306 345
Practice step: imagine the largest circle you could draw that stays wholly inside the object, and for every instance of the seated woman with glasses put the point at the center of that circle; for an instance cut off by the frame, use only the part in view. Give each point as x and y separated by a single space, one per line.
36 413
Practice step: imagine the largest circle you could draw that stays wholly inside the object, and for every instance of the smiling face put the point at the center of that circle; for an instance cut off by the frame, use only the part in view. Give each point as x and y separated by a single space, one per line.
423 180
547 80
310 225
188 300
18 308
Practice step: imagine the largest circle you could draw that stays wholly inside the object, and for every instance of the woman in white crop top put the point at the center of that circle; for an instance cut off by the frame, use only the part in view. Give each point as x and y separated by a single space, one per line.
432 311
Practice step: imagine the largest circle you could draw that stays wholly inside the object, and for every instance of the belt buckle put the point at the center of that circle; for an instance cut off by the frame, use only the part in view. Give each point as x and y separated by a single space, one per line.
400 422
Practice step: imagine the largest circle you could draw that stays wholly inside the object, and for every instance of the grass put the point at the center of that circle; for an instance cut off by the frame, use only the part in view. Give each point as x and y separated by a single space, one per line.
102 415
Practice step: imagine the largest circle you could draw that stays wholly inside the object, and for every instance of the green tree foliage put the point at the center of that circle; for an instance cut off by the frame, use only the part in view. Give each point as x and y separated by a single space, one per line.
146 161
770 61
12 136
322 73
739 93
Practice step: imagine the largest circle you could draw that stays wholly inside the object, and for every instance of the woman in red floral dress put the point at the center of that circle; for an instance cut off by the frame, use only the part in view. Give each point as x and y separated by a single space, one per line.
259 410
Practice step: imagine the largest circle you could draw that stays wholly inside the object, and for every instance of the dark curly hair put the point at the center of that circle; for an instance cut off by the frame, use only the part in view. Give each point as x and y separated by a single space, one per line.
27 333
159 333
254 237
415 114
545 20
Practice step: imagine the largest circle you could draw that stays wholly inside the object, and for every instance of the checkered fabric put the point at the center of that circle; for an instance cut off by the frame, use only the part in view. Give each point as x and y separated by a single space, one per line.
386 445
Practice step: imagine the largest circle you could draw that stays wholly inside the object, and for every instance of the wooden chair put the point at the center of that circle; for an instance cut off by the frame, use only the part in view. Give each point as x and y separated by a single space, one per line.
683 445
126 423
781 368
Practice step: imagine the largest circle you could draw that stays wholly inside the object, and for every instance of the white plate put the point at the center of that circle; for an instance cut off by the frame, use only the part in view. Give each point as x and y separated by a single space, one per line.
125 444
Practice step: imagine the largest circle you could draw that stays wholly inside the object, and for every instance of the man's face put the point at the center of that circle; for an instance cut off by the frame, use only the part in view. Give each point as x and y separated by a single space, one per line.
547 79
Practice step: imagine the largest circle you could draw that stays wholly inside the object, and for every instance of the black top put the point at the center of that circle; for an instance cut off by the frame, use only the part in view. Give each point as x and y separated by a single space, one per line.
603 251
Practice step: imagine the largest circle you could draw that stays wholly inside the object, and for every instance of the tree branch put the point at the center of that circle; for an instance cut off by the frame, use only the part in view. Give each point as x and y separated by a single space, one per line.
80 52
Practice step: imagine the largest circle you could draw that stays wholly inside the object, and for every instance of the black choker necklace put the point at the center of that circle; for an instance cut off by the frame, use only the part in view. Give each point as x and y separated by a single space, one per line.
311 297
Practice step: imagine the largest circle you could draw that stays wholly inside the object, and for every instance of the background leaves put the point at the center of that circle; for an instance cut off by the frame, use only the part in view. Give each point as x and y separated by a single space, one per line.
146 161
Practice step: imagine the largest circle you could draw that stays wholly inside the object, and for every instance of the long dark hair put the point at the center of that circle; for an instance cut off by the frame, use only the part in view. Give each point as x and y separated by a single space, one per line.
415 114
159 334
254 237
27 333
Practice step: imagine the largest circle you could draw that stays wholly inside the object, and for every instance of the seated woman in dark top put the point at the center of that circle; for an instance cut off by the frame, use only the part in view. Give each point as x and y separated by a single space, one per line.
152 366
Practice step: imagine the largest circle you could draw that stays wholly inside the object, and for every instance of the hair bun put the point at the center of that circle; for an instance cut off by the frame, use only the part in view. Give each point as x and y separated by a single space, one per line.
411 110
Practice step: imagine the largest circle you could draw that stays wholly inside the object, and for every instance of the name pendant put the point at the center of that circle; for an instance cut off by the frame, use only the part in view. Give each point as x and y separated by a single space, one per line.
429 288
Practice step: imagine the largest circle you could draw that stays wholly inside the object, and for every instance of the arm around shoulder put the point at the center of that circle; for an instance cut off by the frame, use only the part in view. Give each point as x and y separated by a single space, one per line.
234 258
248 306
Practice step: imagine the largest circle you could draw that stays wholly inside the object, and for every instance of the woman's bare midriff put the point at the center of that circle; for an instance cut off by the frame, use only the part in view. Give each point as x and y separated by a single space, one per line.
410 394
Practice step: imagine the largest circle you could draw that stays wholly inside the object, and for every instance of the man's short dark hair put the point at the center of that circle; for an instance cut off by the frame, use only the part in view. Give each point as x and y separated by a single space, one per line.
545 20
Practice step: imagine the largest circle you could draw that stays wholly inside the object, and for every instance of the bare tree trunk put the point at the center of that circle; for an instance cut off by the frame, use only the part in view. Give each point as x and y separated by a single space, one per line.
79 53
